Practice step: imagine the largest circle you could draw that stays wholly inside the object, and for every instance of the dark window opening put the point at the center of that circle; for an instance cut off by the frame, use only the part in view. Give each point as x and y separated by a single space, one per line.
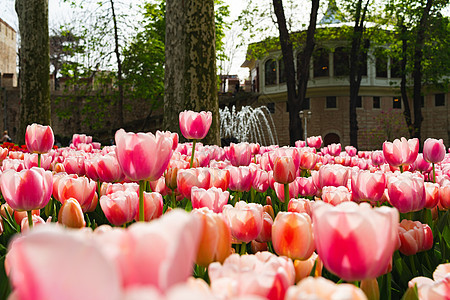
439 100
376 102
331 102
270 72
396 70
397 102
359 102
321 63
282 73
422 101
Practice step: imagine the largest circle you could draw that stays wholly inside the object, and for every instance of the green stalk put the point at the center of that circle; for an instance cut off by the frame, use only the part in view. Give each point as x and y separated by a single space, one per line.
141 200
401 168
193 151
174 199
30 219
39 160
243 248
286 196
434 174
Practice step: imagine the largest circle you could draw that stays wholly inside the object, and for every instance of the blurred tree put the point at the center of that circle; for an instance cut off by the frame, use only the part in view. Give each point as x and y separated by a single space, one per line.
34 64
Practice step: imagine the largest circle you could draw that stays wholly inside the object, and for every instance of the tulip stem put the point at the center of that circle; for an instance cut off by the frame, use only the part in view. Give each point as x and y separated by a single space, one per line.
401 168
286 196
434 174
243 248
39 160
174 199
141 200
193 151
30 219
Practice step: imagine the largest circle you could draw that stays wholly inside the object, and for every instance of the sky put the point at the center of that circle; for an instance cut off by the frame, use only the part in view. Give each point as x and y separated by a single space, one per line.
61 12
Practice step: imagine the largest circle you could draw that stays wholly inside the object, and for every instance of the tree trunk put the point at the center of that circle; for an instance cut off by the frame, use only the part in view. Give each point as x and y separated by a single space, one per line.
119 68
417 71
295 98
175 50
356 64
35 105
200 64
403 82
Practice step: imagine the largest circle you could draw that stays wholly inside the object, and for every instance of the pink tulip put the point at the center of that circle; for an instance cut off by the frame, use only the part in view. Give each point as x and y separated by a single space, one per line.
401 152
31 160
306 186
378 158
120 207
263 274
314 141
345 249
260 181
421 164
414 237
292 235
36 220
239 154
335 195
332 175
82 189
301 206
444 196
64 255
431 194
143 156
334 149
303 268
367 186
74 165
108 169
90 168
308 159
153 206
266 231
219 178
284 170
213 198
71 214
186 179
433 150
39 138
28 189
351 151
407 192
279 190
300 144
285 152
159 186
194 125
245 220
241 179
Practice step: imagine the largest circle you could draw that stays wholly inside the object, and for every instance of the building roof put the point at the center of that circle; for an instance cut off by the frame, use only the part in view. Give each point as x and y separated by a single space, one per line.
7 25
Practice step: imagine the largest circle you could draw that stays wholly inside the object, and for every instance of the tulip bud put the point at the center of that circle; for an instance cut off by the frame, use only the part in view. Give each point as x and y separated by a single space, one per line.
303 268
71 214
370 288
171 178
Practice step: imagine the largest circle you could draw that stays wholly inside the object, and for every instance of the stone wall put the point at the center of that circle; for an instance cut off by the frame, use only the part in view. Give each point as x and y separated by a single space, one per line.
8 51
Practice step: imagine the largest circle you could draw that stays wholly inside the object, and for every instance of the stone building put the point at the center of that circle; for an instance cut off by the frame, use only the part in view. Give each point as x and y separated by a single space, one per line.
379 106
8 52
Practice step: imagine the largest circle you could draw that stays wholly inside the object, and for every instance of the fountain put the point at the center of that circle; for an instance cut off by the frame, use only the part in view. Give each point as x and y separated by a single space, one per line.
254 125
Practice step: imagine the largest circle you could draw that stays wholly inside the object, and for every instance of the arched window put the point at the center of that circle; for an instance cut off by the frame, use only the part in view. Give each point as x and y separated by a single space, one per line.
270 72
341 62
381 61
282 74
321 63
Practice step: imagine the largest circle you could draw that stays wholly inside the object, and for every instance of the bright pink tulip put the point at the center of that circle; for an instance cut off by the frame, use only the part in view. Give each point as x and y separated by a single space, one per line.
220 178
335 195
314 141
194 125
308 159
28 189
143 156
292 152
407 192
120 207
306 186
300 144
241 179
153 206
292 235
334 149
444 196
82 189
266 231
64 255
262 274
31 160
260 181
421 164
351 151
239 154
39 138
81 139
332 175
213 198
401 152
284 170
108 169
414 237
186 179
378 158
159 186
433 150
245 220
74 165
341 235
301 206
367 186
90 168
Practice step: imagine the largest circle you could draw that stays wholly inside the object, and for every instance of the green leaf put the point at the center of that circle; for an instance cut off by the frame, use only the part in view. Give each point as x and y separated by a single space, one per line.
5 288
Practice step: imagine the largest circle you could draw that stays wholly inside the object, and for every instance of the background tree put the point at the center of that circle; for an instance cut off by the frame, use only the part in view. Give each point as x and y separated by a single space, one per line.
190 70
34 63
